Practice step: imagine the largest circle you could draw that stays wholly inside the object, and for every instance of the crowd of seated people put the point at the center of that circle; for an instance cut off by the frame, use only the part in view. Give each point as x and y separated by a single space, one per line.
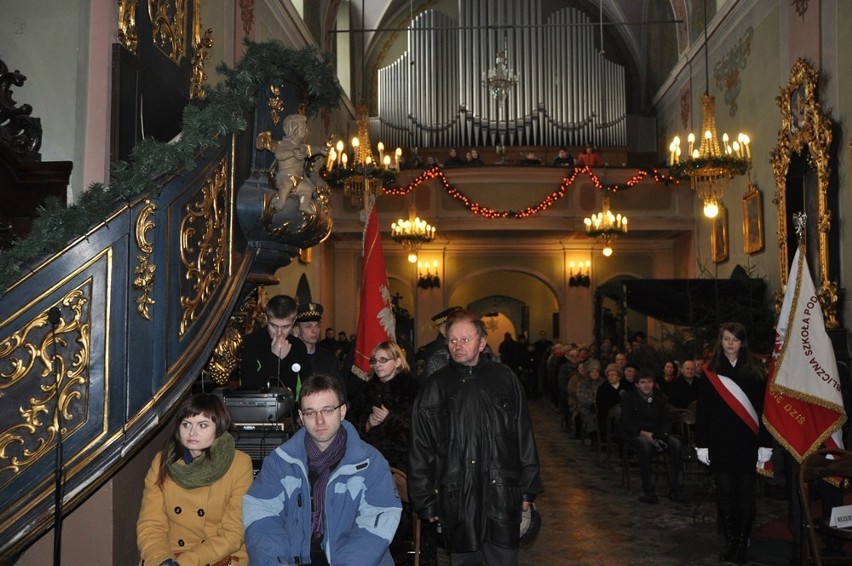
571 375
528 157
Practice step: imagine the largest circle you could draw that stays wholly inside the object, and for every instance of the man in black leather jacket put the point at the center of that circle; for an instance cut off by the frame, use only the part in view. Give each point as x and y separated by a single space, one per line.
473 464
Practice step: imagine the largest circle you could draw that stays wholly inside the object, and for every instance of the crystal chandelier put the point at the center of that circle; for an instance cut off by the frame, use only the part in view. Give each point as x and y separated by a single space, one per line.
363 176
606 226
499 80
412 233
710 167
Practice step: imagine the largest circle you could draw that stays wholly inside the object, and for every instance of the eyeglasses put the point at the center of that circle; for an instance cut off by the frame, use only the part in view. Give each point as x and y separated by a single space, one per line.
463 341
326 412
374 361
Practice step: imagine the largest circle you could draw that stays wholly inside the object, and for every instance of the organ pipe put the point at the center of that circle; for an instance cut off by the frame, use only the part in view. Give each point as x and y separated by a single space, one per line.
567 92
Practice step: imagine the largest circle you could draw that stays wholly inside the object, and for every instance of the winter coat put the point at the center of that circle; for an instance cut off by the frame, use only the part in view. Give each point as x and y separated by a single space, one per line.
640 413
472 455
202 525
732 444
390 437
362 507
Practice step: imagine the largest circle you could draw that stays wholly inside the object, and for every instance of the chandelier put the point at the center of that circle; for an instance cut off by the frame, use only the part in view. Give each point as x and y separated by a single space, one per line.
412 233
606 226
362 177
499 80
710 167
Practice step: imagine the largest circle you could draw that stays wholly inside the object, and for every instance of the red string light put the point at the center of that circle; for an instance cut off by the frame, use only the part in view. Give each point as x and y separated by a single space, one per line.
549 200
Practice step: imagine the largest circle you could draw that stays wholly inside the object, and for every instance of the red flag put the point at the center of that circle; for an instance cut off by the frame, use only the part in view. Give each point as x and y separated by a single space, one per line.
803 407
375 318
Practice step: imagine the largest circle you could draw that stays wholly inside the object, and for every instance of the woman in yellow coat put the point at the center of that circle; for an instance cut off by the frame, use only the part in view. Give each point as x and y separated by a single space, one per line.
192 504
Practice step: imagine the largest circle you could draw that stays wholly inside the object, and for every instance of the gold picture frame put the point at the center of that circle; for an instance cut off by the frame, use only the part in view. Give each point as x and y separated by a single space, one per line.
805 129
752 220
719 236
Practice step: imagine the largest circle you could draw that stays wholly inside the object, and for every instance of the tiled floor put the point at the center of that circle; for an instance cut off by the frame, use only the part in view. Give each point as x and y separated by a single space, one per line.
590 518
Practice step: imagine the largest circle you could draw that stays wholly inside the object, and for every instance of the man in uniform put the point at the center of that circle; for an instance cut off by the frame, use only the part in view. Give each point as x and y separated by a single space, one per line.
309 323
435 354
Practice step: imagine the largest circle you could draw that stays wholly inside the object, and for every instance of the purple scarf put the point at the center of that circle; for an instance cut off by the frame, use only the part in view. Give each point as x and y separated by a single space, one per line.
320 463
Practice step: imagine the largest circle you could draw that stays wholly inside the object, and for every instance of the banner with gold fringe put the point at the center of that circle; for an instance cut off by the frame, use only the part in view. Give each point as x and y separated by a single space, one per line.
803 408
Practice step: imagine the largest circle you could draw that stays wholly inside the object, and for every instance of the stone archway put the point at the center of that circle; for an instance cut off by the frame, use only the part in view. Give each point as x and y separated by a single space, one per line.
526 300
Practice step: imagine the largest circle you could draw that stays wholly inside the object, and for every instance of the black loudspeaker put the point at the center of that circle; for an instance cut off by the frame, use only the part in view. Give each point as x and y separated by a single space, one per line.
258 408
259 442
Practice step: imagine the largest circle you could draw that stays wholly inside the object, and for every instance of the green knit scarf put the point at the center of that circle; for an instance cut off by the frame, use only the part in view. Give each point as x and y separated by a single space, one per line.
203 470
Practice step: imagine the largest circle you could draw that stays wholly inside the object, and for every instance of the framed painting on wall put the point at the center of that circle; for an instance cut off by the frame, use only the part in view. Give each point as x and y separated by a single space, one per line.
719 236
752 220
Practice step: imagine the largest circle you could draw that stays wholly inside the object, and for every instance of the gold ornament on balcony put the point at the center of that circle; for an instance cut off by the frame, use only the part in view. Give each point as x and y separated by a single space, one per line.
606 226
412 233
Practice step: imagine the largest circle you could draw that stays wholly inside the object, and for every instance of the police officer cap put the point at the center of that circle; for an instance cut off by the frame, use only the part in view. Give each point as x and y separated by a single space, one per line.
309 312
441 317
530 525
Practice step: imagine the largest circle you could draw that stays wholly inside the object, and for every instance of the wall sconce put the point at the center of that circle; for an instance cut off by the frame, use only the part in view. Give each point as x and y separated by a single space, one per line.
427 280
579 279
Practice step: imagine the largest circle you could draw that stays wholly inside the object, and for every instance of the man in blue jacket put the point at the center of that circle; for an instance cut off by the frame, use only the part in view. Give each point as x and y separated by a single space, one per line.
324 496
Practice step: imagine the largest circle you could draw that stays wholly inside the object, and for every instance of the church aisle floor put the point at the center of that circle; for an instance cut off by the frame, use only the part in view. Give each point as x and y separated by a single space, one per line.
589 518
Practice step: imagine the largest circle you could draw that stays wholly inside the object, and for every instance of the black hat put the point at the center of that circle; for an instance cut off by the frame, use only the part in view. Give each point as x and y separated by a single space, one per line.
441 317
530 526
309 312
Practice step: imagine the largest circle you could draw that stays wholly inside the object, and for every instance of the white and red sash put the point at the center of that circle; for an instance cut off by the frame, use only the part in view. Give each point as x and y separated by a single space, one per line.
735 398
740 404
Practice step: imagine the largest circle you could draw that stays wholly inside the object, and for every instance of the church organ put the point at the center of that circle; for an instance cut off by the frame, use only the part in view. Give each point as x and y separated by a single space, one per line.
567 93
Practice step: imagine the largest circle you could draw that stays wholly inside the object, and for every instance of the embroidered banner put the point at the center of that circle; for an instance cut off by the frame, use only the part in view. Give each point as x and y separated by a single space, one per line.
803 407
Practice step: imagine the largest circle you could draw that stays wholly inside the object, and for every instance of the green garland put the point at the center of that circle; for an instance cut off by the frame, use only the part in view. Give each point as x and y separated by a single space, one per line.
337 175
736 165
226 111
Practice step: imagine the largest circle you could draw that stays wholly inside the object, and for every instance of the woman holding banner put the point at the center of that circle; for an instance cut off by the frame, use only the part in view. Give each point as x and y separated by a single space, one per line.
729 434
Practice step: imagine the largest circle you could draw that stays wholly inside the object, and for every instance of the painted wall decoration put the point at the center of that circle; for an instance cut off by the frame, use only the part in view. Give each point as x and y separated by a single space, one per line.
728 71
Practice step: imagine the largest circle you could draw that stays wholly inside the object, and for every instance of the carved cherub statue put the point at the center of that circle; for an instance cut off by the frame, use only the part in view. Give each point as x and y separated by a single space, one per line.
291 155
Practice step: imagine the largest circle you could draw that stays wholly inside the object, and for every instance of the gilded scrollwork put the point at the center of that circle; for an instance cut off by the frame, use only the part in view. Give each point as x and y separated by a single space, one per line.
247 16
226 354
199 56
144 271
168 25
200 44
276 105
57 358
127 34
204 245
804 126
